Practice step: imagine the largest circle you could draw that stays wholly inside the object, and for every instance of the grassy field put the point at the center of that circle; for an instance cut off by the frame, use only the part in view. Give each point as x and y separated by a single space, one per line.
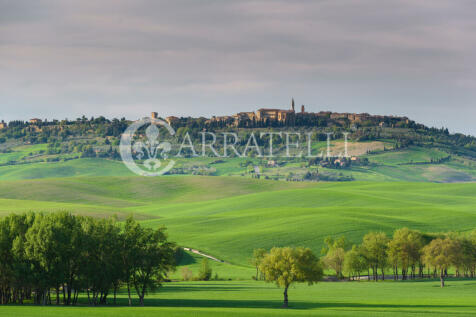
71 168
248 298
408 164
221 271
22 152
228 216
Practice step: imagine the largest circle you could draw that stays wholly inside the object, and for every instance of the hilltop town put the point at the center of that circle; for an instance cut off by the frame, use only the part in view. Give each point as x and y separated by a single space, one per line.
264 117
272 117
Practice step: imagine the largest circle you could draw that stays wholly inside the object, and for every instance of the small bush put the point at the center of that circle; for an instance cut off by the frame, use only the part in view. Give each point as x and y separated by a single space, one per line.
187 274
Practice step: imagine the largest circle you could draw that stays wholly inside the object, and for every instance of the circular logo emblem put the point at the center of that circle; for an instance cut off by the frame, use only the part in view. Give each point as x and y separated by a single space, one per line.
143 153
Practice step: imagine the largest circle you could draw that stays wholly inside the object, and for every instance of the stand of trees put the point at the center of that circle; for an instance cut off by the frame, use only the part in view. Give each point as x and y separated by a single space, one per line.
408 254
54 257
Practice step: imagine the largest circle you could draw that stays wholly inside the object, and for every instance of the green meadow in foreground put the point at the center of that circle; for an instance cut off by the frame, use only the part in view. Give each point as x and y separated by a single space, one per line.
228 217
249 298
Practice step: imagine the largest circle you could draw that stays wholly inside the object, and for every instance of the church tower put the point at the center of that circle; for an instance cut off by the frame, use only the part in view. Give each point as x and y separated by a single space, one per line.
292 104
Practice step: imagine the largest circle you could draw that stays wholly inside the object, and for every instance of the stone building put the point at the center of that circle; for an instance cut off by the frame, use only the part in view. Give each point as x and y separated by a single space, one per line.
336 115
270 116
172 120
277 115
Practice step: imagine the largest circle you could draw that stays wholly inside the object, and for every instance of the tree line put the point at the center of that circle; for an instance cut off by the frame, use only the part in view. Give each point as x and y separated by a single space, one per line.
408 254
56 256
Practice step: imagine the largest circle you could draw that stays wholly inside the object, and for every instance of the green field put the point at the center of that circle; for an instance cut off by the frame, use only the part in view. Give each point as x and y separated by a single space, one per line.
71 168
412 164
248 298
228 216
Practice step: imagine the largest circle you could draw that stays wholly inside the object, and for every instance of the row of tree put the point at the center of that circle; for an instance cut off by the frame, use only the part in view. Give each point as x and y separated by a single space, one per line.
56 256
407 254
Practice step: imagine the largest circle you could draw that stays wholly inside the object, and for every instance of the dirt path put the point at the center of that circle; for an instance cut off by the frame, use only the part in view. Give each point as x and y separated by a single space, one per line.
203 254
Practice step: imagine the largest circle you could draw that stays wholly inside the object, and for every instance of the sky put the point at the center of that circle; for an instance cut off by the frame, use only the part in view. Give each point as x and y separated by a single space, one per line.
62 59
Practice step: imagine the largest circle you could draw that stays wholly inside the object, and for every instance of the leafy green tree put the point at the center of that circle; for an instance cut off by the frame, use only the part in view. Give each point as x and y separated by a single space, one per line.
6 261
334 259
23 274
54 244
42 247
354 262
129 240
146 258
285 266
404 251
472 238
102 268
441 254
15 273
155 259
61 251
335 254
465 260
374 246
258 255
205 272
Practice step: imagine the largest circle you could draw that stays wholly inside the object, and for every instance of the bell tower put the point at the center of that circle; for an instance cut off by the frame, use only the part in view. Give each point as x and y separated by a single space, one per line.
292 104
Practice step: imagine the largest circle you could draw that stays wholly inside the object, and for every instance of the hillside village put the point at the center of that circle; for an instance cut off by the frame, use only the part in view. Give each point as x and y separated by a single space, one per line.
264 117
268 117
379 146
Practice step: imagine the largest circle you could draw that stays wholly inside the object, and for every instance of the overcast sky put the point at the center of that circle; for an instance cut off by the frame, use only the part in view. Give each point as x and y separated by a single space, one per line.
62 59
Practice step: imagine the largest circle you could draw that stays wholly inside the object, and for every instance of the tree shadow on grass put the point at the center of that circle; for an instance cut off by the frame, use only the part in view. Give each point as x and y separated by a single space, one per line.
207 287
187 259
267 304
274 304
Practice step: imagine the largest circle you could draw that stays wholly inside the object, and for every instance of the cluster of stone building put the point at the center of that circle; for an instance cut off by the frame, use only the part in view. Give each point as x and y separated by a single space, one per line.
4 125
265 116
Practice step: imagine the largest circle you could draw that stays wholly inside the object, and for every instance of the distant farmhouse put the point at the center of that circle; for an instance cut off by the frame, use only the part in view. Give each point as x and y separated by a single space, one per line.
3 125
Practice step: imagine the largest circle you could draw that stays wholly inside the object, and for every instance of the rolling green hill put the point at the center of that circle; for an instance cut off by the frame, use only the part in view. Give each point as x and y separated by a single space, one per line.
412 164
380 153
228 216
71 168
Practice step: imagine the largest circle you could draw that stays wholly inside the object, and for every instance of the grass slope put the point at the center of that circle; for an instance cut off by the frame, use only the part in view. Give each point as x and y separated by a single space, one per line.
228 217
71 168
407 164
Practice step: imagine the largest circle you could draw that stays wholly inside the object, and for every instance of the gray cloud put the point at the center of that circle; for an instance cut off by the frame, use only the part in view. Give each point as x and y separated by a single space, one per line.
126 58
